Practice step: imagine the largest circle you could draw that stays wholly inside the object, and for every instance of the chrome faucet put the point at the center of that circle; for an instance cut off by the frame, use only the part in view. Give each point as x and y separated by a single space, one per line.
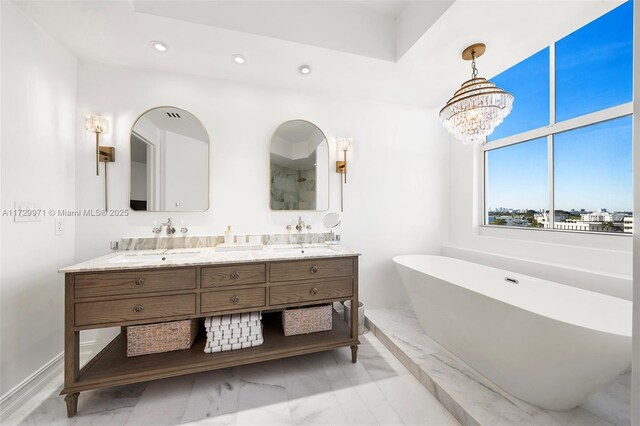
300 227
170 229
156 229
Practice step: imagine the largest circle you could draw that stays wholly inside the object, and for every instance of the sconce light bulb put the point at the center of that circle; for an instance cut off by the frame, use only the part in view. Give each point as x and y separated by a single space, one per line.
96 123
344 144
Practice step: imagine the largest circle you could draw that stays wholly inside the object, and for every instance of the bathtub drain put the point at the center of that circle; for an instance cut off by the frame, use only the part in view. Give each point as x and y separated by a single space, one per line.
511 280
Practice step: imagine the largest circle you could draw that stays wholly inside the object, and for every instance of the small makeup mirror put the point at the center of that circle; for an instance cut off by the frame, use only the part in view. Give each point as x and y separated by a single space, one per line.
331 220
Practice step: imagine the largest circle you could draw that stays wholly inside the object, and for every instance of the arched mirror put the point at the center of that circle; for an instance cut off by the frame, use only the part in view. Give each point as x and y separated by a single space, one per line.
169 162
299 173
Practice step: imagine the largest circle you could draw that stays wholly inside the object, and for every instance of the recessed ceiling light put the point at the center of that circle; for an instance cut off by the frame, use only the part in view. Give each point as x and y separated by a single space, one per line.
159 46
238 59
304 69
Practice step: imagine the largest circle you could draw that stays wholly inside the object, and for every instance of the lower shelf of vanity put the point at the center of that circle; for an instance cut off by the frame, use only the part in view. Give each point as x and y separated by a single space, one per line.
112 367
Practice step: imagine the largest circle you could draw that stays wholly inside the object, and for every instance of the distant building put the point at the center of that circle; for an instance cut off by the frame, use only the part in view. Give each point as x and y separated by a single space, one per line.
510 221
602 215
600 220
596 224
543 218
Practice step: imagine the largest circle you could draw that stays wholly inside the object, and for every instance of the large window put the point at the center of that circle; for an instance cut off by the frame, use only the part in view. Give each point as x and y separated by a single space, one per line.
566 147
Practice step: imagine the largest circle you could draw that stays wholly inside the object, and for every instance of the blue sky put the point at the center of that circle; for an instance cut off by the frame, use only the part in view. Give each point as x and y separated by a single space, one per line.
593 164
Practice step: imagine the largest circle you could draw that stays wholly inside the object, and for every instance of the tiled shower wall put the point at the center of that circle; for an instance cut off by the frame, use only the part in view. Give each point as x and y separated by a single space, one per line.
289 194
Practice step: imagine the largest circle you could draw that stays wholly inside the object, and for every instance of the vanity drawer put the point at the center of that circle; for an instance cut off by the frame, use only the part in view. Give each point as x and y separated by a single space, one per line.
227 300
118 283
231 275
114 311
309 292
311 269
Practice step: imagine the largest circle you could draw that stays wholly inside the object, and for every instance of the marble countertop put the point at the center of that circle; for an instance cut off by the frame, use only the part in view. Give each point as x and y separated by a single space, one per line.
141 259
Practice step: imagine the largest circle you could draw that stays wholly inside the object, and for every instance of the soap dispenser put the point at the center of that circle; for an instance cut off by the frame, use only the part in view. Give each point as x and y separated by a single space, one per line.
228 236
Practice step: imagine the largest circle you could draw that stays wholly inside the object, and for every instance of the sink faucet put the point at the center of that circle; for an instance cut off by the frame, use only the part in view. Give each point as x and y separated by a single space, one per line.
300 227
170 229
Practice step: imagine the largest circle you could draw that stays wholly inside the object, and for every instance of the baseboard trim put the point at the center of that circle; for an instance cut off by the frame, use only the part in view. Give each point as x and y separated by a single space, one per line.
17 397
29 387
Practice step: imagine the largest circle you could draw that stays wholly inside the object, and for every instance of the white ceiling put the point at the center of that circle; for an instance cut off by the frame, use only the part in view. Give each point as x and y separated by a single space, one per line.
389 8
367 28
405 52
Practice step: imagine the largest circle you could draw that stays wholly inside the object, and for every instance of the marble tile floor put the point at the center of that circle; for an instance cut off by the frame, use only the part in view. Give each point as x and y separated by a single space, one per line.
472 398
316 389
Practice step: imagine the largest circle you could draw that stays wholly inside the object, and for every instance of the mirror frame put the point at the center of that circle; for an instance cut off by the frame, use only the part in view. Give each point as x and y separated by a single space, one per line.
328 167
208 163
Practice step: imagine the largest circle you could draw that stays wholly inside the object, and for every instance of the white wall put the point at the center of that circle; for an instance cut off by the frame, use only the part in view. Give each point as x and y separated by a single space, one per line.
600 263
38 133
394 199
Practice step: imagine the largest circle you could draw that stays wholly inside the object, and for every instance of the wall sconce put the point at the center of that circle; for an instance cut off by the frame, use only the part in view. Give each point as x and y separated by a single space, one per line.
344 145
105 154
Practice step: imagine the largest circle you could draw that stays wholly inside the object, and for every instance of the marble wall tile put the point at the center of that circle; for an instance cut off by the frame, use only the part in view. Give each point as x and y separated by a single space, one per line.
204 241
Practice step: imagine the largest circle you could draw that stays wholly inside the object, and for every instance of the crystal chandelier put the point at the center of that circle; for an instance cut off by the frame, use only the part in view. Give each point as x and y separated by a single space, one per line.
478 107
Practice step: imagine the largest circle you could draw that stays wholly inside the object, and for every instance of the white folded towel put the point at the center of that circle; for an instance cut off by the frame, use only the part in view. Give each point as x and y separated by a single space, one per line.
235 331
213 349
246 317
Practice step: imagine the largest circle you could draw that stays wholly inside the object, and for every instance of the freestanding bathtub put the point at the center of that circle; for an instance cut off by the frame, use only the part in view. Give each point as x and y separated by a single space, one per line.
548 344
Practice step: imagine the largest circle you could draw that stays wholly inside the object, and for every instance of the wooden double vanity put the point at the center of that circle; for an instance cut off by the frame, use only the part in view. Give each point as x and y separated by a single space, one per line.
115 296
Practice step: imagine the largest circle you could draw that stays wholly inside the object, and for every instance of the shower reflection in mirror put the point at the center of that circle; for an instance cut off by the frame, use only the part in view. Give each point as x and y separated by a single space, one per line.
299 173
169 162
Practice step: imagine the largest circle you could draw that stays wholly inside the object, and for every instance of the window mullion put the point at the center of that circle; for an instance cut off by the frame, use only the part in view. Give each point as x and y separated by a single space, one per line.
552 209
552 84
552 122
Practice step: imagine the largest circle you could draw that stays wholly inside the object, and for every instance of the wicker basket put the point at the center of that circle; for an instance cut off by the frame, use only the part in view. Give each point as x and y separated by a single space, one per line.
307 320
161 337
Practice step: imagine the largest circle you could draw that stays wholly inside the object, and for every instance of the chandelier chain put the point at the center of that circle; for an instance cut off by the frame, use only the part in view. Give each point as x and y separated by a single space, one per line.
474 70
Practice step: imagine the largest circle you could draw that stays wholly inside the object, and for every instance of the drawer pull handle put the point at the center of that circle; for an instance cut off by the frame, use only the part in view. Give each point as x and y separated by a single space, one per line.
314 269
235 299
314 291
138 282
235 275
138 309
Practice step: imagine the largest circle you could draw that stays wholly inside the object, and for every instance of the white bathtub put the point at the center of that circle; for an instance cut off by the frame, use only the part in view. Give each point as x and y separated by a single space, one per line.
548 344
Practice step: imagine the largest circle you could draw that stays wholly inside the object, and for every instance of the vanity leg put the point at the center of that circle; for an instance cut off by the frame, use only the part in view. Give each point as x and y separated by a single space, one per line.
72 403
354 353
